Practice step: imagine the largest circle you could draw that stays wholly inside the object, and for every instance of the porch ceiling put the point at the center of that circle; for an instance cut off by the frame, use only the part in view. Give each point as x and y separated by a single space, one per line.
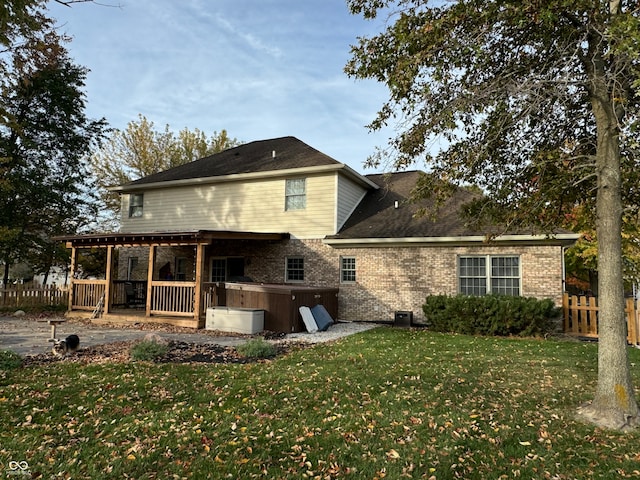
164 238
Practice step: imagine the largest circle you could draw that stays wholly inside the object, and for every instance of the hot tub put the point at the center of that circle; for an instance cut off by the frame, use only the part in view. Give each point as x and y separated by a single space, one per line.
280 302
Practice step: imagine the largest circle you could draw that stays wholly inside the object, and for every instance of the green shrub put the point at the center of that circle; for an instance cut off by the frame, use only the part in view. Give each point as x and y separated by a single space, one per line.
9 360
257 348
490 315
148 351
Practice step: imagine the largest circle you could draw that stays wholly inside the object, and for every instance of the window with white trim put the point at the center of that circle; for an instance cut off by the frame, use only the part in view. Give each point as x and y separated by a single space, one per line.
218 269
497 274
347 269
295 269
135 205
295 195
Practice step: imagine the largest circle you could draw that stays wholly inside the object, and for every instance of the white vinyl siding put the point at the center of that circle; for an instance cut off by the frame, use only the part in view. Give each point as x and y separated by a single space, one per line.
252 206
349 196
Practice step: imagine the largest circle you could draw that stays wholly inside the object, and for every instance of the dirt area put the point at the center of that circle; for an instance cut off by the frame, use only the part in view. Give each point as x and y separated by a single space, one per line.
30 335
178 352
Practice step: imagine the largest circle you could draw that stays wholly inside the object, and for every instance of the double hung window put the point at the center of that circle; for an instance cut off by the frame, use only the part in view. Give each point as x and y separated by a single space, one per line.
295 194
295 269
497 274
135 205
347 269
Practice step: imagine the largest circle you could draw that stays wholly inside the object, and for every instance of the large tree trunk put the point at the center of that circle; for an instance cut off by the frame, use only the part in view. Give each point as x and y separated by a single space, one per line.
614 405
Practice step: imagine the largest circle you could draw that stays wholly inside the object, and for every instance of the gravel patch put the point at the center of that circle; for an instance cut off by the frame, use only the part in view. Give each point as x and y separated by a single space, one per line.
335 332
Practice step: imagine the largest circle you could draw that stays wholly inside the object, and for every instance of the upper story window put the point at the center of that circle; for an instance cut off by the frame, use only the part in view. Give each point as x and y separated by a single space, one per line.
135 205
498 274
295 195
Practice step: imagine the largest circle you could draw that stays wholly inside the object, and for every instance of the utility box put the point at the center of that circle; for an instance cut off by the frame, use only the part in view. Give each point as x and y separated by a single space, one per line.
403 319
237 320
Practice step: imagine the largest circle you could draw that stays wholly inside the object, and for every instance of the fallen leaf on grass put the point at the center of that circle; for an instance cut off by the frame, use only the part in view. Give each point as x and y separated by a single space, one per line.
393 454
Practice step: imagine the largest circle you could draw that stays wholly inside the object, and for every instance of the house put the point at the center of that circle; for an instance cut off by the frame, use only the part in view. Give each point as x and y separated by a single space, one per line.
285 216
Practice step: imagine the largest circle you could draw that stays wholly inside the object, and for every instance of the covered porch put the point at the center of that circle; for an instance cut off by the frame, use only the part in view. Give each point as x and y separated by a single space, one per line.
162 296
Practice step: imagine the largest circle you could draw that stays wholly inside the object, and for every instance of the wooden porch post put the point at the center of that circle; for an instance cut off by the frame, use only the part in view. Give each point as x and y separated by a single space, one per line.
152 261
198 288
107 287
72 274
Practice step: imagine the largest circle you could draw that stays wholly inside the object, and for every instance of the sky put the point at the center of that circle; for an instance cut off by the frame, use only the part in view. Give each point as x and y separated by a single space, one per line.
259 69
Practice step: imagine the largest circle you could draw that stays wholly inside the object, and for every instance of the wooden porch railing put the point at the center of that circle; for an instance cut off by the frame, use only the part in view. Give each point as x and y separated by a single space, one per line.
87 293
581 317
172 298
169 298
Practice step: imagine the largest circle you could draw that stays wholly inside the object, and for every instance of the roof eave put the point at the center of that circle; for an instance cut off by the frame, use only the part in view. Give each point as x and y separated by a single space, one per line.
137 187
563 239
165 238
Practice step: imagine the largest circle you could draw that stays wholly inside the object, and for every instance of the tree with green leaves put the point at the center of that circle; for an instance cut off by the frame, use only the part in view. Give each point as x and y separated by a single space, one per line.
45 138
535 101
141 150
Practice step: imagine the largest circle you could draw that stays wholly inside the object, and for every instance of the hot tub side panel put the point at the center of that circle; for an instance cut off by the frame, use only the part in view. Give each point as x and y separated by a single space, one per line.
281 303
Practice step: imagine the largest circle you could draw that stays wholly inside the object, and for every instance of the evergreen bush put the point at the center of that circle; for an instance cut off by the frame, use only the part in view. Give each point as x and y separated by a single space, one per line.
490 315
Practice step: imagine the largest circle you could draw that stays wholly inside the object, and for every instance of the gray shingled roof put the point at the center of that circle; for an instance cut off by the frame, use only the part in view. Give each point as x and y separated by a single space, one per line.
378 217
248 158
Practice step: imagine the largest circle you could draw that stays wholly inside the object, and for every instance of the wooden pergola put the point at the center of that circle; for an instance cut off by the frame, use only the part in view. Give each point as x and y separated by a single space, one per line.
177 302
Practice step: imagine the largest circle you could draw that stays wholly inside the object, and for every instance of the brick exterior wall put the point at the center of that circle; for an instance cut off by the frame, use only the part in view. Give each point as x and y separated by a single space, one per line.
388 279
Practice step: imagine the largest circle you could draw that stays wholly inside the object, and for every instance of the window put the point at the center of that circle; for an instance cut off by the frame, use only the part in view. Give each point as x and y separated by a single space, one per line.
132 264
224 269
505 275
135 205
218 269
295 269
181 268
489 274
295 194
347 269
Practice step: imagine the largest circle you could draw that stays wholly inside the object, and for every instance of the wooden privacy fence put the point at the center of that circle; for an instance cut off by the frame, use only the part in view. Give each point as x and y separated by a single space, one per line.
581 317
18 296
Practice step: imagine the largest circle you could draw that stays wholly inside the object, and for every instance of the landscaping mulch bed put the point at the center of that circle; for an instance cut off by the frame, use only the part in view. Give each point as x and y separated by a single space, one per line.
179 352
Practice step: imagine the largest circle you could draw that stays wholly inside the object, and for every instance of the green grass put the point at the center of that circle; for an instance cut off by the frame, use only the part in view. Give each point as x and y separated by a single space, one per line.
391 403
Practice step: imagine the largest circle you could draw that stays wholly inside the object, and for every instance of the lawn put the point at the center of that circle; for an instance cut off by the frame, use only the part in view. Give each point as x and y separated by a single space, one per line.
387 403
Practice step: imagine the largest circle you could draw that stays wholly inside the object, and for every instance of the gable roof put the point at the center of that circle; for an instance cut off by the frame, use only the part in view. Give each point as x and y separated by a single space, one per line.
253 157
378 218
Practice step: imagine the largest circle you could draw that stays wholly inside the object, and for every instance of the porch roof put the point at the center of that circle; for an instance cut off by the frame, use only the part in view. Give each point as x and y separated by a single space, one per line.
164 238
